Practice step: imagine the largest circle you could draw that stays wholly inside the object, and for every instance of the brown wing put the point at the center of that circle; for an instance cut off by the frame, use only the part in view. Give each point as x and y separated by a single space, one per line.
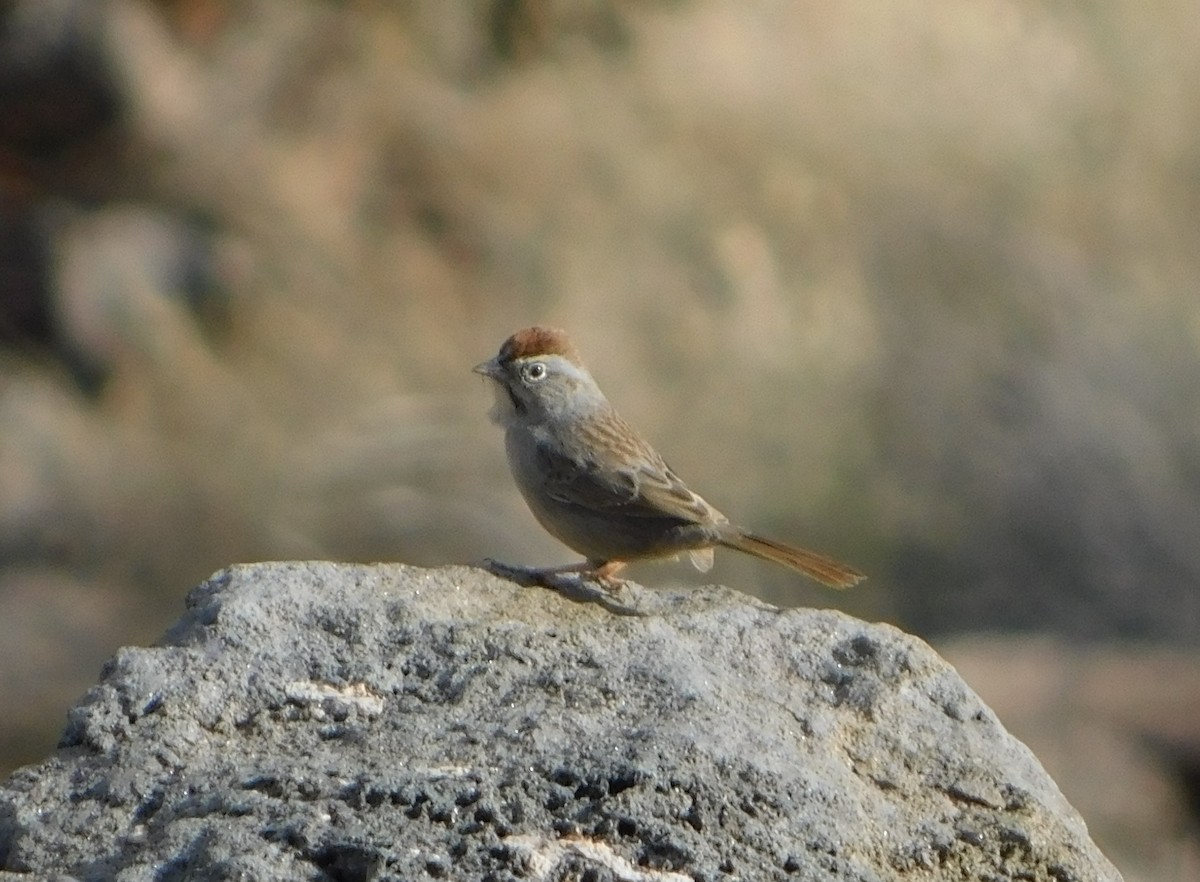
609 482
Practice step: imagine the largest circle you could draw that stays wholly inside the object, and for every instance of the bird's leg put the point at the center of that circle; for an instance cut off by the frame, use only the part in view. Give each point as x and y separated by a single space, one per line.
543 576
603 573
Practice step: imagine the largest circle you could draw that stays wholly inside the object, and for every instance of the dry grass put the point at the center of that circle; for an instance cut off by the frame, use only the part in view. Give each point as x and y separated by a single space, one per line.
912 283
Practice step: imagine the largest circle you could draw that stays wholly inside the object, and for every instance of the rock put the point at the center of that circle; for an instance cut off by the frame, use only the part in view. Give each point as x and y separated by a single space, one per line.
1105 719
344 722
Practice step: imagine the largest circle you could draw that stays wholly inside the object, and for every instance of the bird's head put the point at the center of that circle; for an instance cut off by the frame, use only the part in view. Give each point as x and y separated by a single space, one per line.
539 376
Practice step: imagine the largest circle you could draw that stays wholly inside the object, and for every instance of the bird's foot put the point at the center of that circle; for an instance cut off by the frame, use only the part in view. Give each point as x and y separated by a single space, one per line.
571 580
528 577
605 575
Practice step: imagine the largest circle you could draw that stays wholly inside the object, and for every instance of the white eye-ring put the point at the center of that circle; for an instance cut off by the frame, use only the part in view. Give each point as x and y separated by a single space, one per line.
535 371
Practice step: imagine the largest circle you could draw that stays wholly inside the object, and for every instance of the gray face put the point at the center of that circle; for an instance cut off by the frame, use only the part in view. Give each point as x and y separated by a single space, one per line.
543 387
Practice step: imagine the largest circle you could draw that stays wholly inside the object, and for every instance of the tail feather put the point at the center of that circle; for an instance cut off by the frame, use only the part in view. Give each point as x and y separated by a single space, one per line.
816 566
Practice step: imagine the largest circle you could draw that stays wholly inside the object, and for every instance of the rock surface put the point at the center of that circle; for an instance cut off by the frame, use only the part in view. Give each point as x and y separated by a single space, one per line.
344 722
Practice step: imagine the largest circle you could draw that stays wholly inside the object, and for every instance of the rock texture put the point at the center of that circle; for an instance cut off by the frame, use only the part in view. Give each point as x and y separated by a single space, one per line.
341 722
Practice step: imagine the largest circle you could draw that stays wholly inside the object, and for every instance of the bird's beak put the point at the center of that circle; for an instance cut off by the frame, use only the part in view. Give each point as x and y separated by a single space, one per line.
489 369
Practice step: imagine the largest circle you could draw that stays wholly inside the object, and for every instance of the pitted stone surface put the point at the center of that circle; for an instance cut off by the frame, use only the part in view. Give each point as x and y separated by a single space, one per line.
343 722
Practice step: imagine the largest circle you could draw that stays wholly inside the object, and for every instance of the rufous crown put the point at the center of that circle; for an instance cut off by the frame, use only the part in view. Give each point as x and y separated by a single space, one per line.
535 341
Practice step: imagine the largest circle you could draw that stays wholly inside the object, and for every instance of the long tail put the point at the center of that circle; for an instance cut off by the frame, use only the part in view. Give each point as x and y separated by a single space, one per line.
815 566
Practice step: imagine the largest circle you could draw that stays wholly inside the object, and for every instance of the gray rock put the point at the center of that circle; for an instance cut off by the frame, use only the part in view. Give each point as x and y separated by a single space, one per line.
340 722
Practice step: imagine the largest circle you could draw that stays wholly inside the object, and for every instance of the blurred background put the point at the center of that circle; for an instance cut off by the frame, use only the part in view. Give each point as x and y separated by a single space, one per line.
916 284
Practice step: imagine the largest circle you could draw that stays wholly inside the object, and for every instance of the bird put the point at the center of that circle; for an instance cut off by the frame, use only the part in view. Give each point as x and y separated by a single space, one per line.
597 485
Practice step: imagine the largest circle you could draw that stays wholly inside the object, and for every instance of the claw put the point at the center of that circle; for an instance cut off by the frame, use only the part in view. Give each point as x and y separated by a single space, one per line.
567 579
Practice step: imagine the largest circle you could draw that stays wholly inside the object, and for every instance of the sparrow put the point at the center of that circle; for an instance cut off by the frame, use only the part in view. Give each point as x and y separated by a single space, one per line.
597 485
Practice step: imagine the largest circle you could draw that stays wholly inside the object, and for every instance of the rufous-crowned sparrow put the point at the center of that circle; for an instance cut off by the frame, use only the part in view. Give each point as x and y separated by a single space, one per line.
596 485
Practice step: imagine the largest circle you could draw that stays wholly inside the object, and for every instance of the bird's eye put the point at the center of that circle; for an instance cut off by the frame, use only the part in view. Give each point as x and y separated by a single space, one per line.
535 371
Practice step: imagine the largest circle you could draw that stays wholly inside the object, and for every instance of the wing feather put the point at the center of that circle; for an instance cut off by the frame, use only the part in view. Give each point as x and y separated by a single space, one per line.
627 477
